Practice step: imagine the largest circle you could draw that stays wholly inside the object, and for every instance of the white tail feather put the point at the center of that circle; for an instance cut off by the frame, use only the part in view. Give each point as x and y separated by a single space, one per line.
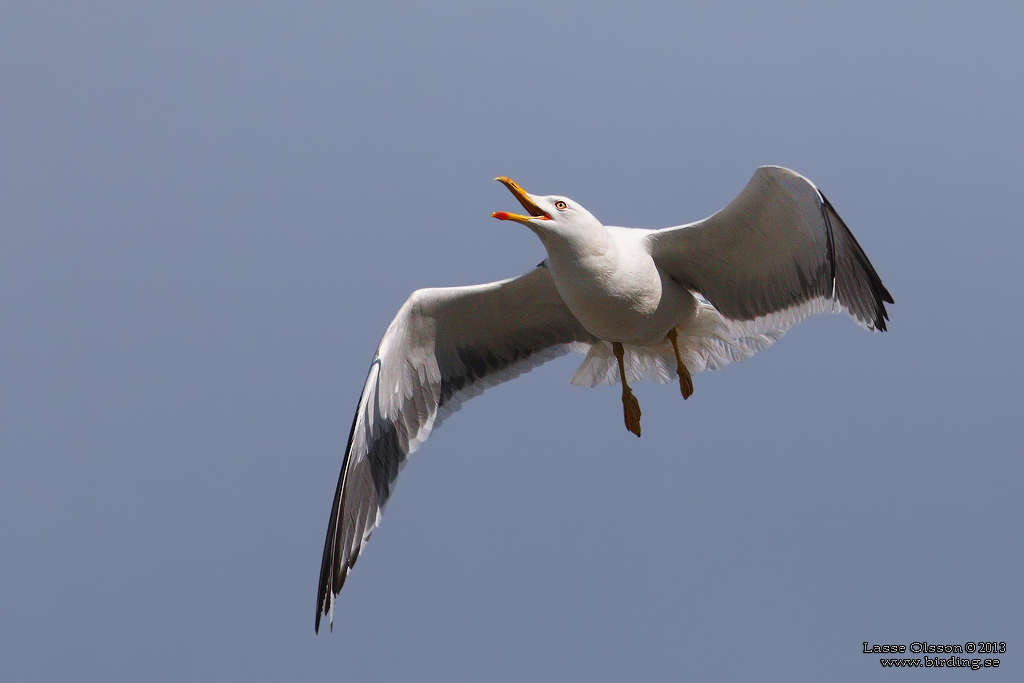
707 342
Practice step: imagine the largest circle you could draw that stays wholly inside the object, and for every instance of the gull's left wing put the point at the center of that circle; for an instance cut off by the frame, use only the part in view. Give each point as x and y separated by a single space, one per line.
444 346
778 252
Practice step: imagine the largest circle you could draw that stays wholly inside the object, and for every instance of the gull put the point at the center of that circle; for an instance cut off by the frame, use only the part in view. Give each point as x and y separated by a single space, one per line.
641 304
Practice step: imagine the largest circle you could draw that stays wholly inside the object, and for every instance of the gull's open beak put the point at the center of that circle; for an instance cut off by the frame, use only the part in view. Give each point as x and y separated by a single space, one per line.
524 199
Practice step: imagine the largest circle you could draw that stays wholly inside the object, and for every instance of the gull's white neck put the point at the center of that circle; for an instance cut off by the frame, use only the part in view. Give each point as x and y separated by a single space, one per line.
588 243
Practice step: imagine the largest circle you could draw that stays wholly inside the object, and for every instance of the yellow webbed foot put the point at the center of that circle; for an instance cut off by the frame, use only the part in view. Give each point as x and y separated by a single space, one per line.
685 381
631 411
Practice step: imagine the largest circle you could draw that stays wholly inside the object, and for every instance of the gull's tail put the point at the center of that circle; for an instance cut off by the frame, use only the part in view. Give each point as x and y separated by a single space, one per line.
706 342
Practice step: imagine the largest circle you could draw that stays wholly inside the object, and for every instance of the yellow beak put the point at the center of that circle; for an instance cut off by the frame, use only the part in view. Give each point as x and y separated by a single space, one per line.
524 199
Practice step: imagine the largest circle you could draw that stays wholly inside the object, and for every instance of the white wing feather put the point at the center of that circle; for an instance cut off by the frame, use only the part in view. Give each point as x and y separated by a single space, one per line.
776 253
443 347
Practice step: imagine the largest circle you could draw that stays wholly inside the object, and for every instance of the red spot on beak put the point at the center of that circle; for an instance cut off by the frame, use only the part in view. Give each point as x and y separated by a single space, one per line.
500 215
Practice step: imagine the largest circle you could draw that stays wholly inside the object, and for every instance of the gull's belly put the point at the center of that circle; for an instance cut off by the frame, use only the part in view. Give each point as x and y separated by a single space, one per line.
633 304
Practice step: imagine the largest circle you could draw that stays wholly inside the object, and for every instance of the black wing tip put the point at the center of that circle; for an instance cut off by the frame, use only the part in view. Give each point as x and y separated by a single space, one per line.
879 292
882 297
320 612
331 583
316 628
332 580
321 608
329 577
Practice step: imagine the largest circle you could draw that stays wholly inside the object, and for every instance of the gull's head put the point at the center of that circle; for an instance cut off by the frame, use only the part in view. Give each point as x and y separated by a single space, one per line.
548 215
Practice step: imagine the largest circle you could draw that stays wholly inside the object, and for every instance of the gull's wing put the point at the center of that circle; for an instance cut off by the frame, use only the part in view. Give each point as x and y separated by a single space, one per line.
778 250
444 346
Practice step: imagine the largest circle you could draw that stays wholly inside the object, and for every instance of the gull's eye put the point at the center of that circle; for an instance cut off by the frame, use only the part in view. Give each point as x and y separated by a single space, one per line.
560 205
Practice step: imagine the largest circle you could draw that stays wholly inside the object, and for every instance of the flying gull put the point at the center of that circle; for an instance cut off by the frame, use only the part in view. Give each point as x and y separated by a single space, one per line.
641 304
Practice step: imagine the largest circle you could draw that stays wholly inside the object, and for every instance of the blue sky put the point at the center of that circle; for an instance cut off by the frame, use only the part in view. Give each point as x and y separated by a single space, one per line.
211 213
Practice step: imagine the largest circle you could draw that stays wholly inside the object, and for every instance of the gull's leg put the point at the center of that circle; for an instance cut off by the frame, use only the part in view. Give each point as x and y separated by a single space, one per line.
630 406
685 381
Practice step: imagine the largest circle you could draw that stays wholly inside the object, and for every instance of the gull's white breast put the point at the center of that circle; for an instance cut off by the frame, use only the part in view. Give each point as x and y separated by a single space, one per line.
616 291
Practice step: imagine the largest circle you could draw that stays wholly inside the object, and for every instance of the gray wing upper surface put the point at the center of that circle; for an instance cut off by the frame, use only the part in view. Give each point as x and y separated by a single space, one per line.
778 247
445 345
